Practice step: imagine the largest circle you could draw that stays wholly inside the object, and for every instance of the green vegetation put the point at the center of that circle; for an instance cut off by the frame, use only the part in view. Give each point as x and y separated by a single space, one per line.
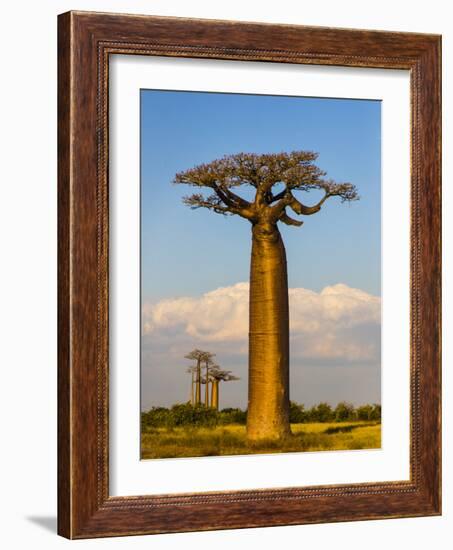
185 414
190 415
230 439
186 430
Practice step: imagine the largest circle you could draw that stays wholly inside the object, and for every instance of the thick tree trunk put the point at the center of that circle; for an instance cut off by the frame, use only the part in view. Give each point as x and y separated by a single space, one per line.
206 394
268 392
198 385
215 394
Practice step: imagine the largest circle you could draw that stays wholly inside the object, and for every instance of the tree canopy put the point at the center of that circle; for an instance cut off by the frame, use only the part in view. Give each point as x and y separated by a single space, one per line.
199 355
290 172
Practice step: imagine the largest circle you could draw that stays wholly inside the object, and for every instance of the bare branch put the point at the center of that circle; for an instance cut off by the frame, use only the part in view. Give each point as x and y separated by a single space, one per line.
300 208
277 197
215 203
346 191
212 202
289 221
230 198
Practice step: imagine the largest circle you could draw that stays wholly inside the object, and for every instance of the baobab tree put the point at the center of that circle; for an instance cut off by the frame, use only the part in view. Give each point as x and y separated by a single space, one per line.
196 355
216 376
193 371
210 367
274 180
200 357
209 364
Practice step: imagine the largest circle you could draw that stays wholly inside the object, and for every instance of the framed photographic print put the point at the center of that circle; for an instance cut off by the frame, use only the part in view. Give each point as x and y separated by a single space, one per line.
249 275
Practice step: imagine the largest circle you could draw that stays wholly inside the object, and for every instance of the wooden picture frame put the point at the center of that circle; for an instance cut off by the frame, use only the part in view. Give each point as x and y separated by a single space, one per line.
85 42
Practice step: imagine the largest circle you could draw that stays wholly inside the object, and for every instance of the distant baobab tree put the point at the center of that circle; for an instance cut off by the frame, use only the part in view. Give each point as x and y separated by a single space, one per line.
210 367
216 376
200 357
193 371
208 364
274 179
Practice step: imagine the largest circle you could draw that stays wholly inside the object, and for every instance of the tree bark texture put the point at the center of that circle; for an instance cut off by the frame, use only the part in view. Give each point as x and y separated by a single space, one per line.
206 393
215 394
268 392
198 385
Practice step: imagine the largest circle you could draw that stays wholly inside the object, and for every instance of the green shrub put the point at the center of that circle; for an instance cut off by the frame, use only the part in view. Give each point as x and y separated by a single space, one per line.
232 416
198 415
344 411
181 414
321 413
185 414
155 418
297 413
364 412
376 412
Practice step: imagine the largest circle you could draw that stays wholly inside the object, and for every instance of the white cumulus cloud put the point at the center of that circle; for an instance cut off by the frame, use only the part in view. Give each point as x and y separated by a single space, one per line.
339 322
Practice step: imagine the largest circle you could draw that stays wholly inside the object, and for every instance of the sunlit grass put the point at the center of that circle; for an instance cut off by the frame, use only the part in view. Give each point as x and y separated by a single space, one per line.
231 440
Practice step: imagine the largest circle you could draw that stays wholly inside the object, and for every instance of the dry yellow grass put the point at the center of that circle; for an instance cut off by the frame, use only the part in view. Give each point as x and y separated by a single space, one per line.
231 440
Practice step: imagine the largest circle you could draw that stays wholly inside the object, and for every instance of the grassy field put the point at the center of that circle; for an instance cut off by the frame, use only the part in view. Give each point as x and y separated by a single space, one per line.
230 440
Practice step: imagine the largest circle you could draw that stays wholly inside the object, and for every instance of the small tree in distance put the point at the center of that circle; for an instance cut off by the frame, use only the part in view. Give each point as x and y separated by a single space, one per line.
217 375
344 411
192 371
198 356
321 413
365 412
209 366
297 413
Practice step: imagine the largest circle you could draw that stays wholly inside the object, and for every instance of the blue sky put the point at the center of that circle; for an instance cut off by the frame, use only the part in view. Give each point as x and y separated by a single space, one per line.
333 259
183 129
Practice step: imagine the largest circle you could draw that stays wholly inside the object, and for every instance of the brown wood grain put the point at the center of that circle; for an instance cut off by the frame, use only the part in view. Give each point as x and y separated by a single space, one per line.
85 42
64 369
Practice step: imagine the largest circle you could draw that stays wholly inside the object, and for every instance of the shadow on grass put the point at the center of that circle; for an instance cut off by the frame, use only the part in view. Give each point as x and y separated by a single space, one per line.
346 429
